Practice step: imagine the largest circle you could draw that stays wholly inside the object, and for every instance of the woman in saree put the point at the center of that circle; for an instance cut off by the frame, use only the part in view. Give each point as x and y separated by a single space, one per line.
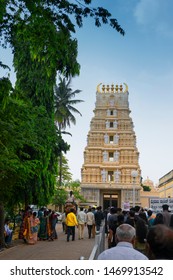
31 228
42 234
34 227
27 235
24 215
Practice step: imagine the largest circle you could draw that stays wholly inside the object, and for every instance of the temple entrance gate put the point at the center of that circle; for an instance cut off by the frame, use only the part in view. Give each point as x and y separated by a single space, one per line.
110 200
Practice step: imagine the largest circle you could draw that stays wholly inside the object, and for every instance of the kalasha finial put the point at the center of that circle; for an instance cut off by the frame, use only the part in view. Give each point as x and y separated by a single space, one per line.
107 88
103 88
98 88
112 88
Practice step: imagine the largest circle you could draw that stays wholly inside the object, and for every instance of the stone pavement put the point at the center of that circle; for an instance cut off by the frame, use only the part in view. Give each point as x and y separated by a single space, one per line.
58 249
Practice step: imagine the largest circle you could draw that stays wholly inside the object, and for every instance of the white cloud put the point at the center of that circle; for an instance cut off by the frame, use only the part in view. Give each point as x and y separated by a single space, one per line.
155 15
146 11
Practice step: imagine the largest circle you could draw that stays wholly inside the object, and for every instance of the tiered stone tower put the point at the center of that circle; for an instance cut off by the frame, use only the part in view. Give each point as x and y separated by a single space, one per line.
111 153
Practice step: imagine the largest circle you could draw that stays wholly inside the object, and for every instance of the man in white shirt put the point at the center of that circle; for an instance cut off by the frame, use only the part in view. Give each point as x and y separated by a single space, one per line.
124 250
90 222
81 217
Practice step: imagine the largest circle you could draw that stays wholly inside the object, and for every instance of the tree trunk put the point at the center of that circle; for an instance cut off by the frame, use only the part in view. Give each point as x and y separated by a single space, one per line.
2 241
60 169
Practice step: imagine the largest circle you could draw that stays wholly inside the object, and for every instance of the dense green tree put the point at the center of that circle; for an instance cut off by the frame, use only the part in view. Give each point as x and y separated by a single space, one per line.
66 174
75 187
26 173
60 197
38 81
146 188
5 88
61 193
25 134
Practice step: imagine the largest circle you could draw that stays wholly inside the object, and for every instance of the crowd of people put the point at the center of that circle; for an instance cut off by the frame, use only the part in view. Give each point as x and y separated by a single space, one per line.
139 234
73 217
135 234
39 225
33 226
91 218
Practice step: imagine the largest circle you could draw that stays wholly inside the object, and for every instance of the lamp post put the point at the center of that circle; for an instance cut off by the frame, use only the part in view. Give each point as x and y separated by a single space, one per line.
134 174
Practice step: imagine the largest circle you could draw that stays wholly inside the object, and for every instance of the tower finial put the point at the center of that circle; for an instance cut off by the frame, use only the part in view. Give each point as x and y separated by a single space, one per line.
98 88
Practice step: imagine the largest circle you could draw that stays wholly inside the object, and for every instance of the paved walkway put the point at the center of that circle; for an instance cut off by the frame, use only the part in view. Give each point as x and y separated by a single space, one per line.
58 249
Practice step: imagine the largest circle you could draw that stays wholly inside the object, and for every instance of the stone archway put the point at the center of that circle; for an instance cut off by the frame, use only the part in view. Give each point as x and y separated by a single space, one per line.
110 199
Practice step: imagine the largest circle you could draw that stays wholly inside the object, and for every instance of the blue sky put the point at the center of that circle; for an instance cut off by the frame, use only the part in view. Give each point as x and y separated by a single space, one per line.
143 59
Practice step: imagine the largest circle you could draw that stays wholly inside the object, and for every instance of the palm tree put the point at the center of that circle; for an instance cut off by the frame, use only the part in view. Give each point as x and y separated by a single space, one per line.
64 104
64 110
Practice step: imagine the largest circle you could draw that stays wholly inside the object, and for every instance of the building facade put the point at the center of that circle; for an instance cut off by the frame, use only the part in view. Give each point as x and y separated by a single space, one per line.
110 174
147 195
165 186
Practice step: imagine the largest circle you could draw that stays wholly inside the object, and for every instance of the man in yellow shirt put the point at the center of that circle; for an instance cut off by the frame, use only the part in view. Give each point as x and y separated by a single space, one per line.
71 222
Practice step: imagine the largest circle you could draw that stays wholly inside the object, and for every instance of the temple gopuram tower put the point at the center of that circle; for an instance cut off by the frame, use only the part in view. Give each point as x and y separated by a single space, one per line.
111 156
